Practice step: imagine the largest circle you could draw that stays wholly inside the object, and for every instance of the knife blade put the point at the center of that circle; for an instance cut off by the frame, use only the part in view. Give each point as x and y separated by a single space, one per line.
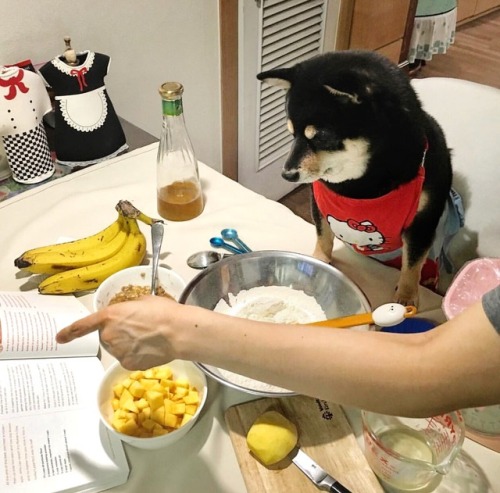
316 474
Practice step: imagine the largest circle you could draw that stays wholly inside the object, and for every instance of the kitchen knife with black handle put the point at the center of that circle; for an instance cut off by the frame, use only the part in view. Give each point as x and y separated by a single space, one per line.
316 474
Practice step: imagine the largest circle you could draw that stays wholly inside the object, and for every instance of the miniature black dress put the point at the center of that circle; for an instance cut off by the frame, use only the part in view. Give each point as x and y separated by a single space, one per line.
87 128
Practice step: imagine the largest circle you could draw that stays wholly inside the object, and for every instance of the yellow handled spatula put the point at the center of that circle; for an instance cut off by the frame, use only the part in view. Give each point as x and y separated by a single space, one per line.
384 316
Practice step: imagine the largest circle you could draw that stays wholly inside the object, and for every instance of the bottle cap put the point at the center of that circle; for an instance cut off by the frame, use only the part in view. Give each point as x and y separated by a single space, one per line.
171 90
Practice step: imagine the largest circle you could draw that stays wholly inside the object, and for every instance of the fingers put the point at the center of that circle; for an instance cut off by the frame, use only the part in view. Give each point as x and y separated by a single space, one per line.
80 328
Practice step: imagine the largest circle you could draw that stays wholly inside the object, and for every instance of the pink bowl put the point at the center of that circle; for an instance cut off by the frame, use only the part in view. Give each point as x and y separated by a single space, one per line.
474 279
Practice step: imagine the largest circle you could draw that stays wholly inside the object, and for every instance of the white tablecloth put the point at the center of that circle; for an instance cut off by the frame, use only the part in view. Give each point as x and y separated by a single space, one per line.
82 203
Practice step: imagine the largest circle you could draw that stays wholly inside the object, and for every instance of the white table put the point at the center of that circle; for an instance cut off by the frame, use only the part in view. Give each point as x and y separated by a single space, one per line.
82 203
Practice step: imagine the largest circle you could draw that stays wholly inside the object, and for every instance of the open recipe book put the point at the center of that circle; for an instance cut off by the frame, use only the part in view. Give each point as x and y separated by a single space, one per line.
52 439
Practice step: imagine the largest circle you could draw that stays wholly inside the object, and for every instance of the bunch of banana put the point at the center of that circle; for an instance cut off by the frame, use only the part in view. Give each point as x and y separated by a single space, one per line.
83 264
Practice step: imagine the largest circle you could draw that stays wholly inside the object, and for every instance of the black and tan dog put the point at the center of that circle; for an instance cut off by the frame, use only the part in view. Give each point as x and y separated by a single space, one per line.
379 165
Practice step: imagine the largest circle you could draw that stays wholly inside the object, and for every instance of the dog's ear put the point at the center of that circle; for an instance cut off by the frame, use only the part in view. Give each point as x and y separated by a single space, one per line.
351 97
280 77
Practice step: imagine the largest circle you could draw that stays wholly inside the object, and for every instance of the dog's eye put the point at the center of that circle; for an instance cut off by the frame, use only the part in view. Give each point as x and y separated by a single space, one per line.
310 132
322 138
289 126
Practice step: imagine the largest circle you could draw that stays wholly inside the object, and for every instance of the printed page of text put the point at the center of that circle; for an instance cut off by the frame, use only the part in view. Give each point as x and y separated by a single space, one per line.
30 321
51 436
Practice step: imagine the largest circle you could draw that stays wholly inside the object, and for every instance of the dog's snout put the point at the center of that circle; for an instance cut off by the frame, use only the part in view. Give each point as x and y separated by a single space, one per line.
292 168
290 175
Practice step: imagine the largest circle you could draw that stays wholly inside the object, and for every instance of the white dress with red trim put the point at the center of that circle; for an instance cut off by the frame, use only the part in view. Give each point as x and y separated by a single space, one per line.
87 128
23 103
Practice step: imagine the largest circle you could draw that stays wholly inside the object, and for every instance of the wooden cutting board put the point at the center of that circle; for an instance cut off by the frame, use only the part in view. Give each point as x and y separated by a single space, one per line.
324 434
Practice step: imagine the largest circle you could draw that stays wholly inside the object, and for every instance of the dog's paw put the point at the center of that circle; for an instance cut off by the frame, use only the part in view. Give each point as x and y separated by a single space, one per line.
407 296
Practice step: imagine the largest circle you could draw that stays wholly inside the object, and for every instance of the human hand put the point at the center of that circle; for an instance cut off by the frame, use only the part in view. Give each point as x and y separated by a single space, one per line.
134 332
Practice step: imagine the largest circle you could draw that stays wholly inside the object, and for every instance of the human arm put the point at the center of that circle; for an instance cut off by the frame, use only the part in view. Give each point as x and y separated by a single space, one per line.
453 366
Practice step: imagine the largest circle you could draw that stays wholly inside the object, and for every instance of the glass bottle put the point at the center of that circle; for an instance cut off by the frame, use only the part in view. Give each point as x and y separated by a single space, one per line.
179 194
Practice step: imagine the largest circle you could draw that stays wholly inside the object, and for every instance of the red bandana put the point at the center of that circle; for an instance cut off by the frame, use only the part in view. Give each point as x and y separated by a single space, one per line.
371 226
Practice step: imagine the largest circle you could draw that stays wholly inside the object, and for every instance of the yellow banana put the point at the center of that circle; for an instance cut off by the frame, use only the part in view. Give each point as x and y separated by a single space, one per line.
129 210
91 276
52 262
97 240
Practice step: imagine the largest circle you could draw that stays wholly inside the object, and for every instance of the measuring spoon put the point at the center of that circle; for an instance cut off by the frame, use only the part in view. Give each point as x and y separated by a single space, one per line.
232 235
156 240
218 242
384 316
201 260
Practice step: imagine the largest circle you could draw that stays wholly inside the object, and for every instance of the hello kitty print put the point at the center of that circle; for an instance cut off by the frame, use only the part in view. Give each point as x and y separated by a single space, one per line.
362 236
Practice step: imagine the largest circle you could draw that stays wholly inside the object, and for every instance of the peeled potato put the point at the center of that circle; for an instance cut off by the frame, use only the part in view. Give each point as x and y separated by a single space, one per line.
271 437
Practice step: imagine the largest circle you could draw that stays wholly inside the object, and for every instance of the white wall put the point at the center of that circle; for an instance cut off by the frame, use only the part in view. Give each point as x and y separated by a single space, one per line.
149 43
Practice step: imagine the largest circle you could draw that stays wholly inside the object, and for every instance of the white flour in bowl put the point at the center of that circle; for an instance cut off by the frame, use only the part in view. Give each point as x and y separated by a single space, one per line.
279 304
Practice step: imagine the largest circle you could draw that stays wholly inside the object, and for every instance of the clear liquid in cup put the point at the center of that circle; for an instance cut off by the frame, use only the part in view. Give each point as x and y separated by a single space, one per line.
407 443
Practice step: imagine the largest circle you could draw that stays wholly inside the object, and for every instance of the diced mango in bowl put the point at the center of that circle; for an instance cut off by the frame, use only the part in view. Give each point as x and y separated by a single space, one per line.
152 402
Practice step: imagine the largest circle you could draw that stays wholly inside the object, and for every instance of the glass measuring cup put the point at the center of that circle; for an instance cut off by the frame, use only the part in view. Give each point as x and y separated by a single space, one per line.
410 454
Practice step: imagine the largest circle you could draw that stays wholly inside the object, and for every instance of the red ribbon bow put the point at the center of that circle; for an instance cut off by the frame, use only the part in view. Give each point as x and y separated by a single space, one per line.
80 75
369 228
14 83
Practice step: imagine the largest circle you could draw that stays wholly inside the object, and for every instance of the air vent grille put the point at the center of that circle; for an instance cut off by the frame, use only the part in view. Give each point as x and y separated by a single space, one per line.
292 31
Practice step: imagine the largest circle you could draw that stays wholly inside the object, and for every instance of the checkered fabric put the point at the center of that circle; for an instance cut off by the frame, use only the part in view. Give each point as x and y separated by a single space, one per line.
28 155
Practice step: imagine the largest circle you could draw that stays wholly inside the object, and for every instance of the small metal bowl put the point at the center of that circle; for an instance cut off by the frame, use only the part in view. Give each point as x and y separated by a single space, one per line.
333 290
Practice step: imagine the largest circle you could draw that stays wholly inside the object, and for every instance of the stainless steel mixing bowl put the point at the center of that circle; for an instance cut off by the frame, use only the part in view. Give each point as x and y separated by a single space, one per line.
335 292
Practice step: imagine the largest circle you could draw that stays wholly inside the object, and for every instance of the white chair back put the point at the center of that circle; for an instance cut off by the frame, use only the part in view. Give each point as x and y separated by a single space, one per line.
469 114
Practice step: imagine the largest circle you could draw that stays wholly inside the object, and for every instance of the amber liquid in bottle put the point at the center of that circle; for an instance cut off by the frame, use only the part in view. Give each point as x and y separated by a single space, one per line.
179 194
180 201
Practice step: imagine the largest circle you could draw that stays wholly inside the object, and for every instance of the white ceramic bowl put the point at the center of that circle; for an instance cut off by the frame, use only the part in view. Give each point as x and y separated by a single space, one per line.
116 373
140 275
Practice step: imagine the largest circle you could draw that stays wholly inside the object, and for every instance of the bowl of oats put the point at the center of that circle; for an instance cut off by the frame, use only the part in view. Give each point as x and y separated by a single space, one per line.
134 282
